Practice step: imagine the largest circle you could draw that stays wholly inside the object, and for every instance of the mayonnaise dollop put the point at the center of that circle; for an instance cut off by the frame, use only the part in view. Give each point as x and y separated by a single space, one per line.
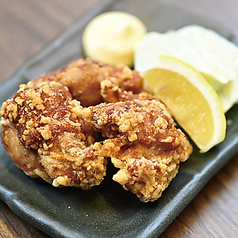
112 36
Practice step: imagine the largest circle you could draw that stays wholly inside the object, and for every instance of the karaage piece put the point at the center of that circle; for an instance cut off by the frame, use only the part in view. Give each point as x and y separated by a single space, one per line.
83 78
143 143
59 129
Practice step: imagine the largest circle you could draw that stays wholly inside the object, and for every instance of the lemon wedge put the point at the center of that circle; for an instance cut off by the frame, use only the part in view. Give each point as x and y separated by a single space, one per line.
191 99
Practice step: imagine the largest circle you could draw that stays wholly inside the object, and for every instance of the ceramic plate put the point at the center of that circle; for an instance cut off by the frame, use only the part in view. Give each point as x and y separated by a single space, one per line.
108 210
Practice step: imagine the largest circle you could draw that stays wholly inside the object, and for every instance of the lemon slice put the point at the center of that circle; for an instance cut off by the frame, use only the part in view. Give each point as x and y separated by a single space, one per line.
191 99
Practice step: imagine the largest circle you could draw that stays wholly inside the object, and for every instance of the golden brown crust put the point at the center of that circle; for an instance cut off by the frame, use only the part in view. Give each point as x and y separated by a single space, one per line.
57 127
25 159
143 143
83 78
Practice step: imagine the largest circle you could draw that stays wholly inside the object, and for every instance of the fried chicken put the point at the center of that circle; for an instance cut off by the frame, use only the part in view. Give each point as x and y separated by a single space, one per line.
58 128
50 129
83 78
143 143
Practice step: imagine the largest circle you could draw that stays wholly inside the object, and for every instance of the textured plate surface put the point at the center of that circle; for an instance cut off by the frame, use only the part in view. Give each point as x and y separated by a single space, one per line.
108 210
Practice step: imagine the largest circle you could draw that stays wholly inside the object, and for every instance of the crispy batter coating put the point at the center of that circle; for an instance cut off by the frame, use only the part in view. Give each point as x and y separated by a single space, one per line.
143 143
25 159
49 121
84 77
50 130
112 92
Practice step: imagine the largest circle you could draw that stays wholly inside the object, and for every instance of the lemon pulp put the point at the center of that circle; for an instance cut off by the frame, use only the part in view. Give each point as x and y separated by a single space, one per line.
192 101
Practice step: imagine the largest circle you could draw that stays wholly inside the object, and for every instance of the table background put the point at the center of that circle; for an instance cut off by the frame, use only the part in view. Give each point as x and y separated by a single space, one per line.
27 26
